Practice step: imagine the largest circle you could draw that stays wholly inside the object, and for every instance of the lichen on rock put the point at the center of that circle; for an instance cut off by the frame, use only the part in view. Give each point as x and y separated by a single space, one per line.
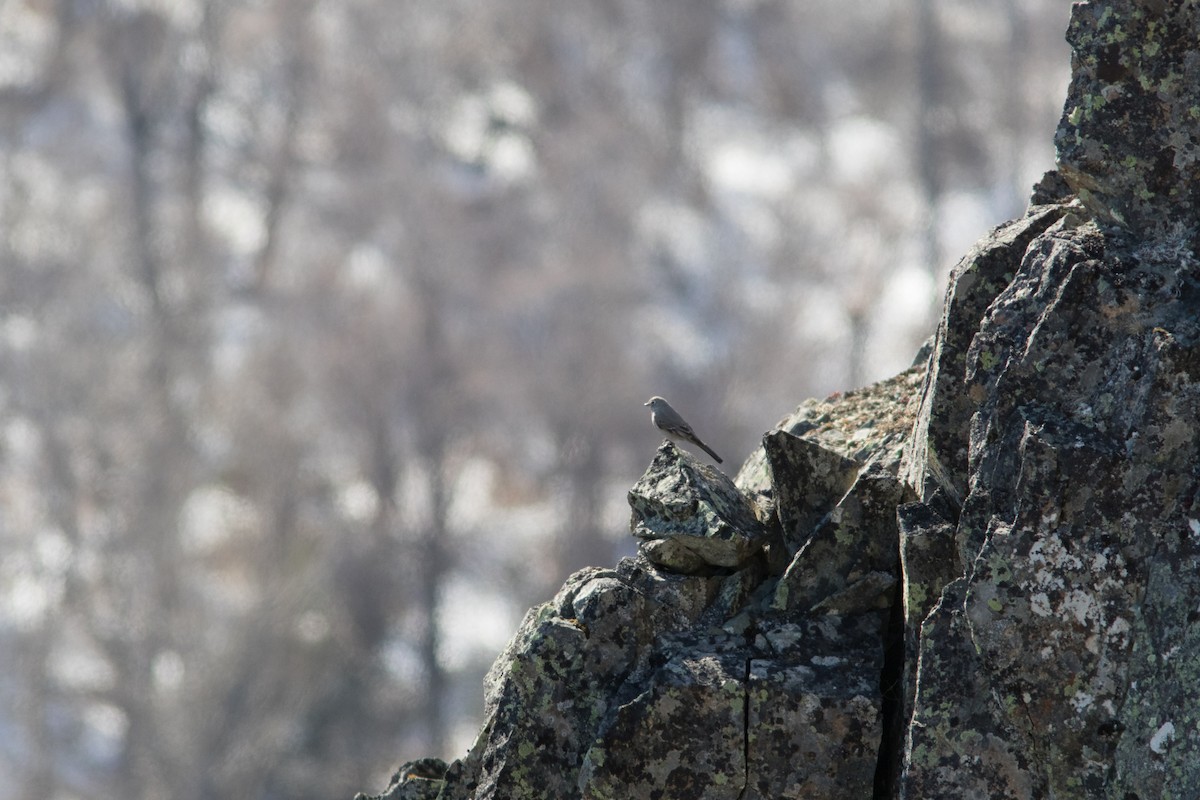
1129 140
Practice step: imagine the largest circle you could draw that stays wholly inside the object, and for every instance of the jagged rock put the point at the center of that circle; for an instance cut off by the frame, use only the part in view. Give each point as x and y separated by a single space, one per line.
1084 460
627 685
867 425
1129 140
807 481
691 516
644 680
936 456
550 691
1061 661
849 563
1045 640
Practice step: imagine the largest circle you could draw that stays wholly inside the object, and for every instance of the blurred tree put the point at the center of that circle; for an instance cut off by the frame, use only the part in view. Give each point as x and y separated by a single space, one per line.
315 314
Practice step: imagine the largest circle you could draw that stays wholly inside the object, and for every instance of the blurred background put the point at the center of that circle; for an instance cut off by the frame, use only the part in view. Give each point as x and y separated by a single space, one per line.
325 329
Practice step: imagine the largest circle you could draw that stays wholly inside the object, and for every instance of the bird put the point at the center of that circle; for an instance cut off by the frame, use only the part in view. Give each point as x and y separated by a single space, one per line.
667 420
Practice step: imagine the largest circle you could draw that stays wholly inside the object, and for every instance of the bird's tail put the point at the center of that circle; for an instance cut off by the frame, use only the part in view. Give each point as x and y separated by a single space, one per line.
709 450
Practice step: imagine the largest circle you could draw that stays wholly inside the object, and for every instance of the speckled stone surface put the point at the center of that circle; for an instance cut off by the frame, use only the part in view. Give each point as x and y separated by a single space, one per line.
690 515
1059 662
936 458
1129 140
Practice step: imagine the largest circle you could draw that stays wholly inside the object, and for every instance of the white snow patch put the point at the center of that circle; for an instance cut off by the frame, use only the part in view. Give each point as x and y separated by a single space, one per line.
358 501
863 148
237 217
477 621
742 167
213 515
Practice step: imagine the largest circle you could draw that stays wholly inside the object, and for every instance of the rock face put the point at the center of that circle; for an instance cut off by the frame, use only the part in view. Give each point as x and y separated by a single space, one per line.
1063 651
978 579
1129 140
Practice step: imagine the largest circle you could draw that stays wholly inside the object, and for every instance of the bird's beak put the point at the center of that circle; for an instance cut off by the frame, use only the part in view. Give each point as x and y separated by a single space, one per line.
646 403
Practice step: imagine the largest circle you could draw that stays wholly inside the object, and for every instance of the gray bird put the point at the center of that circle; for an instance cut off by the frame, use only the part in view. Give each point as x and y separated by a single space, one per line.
667 420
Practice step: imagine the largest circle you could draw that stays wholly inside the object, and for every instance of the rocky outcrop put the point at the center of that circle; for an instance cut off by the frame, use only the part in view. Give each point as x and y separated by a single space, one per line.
1129 140
978 579
1061 656
1060 652
698 669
